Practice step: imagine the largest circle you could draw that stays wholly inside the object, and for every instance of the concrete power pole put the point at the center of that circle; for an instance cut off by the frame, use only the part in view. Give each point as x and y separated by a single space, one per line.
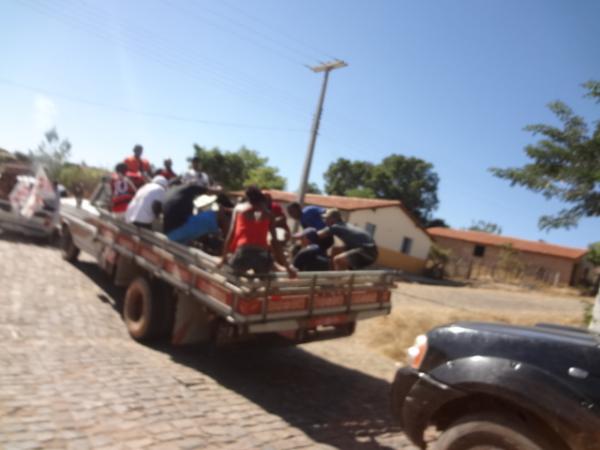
327 67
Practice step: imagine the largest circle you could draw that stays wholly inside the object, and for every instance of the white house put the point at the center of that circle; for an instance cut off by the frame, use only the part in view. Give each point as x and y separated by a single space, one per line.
402 242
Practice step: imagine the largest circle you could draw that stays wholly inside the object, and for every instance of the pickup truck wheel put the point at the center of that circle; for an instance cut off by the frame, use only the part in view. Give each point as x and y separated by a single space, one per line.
490 431
68 249
142 310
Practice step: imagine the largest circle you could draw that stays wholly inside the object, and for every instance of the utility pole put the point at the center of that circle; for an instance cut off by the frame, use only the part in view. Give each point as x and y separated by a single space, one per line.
326 67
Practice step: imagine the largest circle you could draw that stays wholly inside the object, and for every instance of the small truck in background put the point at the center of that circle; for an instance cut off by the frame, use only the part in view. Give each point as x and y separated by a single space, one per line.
177 293
28 203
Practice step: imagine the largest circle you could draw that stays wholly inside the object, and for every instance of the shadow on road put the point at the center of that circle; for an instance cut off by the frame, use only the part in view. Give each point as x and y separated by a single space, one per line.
332 404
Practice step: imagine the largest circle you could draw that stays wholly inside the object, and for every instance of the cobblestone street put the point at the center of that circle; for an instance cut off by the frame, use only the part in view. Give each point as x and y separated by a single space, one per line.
72 378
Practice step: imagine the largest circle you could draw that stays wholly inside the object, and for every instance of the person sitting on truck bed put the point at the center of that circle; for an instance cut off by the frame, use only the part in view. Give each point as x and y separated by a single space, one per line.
311 217
178 205
311 257
279 218
195 175
205 223
146 205
247 239
122 190
359 247
167 170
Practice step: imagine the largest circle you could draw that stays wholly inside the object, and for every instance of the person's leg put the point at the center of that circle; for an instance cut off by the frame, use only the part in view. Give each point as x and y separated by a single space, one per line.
310 258
361 257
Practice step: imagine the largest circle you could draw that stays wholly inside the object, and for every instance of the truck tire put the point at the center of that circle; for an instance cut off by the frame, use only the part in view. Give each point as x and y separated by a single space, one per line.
68 249
143 310
491 430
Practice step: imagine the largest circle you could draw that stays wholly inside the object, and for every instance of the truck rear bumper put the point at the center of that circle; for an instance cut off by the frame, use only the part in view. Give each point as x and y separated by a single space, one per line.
315 322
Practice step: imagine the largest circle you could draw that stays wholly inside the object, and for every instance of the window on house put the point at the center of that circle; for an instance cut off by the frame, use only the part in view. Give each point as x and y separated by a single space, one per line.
406 245
479 250
370 228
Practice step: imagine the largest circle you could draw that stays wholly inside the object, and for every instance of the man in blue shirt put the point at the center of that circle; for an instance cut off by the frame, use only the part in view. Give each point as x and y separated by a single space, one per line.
311 217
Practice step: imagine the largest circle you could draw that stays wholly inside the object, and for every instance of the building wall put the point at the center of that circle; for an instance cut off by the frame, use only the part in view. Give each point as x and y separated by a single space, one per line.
552 264
392 226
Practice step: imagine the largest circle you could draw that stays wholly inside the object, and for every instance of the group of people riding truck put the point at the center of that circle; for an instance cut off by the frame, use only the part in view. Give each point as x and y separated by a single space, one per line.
250 236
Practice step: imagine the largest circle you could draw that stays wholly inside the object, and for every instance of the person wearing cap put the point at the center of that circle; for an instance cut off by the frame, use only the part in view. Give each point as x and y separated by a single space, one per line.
311 217
205 223
248 238
138 169
359 247
311 257
146 204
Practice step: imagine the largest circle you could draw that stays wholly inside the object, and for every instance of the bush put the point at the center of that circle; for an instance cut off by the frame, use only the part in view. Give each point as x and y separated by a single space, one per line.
71 174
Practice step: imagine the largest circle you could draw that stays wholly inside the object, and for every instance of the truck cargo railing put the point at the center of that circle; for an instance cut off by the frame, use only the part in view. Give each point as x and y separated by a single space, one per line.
240 299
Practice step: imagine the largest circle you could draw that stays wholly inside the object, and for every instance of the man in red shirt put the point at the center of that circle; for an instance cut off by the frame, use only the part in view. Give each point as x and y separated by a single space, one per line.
122 190
138 168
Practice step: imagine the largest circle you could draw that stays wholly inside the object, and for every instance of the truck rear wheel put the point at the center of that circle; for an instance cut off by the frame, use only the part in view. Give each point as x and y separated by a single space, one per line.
495 431
68 249
144 310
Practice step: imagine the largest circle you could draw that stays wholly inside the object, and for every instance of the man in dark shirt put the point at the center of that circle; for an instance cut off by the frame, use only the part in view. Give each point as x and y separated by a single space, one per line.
311 217
359 247
178 205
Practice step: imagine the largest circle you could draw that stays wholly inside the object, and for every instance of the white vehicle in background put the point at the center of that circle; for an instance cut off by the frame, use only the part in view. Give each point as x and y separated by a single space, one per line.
32 206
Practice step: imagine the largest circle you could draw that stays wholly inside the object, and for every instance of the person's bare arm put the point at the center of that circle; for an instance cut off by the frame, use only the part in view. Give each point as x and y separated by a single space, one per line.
278 253
324 232
228 239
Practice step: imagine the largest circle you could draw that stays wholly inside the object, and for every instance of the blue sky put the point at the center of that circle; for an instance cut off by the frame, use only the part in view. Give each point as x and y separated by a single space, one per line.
452 82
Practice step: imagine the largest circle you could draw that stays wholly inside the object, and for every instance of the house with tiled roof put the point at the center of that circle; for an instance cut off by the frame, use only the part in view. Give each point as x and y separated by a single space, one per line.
554 263
403 244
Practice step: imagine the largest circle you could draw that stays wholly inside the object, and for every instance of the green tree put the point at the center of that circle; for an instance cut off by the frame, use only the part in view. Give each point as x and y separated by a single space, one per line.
343 175
88 178
408 179
52 153
313 188
486 227
565 164
593 255
235 170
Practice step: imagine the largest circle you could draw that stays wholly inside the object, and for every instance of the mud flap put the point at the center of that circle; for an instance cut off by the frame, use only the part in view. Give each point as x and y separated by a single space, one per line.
194 323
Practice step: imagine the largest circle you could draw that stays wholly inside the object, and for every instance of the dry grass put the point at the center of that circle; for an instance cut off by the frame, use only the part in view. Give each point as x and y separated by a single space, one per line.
393 334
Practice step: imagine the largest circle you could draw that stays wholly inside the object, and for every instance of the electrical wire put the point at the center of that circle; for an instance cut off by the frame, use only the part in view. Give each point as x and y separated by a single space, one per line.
124 109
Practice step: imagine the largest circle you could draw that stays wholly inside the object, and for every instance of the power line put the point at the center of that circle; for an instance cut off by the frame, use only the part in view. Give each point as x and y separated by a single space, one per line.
143 113
187 13
153 47
167 58
285 35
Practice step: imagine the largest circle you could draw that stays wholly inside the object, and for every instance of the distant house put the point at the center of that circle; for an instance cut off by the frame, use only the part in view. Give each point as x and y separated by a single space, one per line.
555 263
402 242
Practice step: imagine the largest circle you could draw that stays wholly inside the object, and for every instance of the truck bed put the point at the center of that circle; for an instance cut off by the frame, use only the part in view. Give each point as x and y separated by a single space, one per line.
272 303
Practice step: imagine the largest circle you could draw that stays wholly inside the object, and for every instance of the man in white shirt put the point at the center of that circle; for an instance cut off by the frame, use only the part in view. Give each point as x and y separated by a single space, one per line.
195 175
146 205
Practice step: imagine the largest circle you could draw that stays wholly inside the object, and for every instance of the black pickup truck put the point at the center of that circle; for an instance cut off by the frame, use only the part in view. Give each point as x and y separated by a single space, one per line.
496 386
